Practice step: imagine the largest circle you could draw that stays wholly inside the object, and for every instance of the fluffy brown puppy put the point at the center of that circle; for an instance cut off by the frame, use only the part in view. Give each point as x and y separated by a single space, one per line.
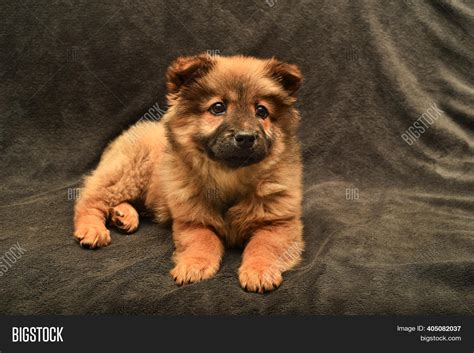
223 164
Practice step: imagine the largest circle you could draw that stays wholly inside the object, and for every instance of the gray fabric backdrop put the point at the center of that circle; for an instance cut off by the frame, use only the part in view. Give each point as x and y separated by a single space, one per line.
388 224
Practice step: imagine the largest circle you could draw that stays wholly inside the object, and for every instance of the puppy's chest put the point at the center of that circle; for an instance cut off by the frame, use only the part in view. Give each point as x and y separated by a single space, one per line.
220 199
222 190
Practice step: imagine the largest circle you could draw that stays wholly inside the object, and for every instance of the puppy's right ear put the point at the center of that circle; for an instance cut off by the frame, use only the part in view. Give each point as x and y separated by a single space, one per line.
186 69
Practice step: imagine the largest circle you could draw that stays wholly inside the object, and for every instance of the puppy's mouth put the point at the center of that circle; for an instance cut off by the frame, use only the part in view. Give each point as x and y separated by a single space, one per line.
236 162
234 157
234 154
234 148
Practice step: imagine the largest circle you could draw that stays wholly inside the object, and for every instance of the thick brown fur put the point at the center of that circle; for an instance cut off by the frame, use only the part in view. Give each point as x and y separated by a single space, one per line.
165 165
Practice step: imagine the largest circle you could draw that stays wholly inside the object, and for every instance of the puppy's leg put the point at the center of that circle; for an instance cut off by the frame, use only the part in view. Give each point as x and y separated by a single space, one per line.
270 252
89 222
124 217
122 175
198 253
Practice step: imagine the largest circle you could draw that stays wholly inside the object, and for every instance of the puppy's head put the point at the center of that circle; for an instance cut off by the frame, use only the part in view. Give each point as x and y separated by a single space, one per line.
233 110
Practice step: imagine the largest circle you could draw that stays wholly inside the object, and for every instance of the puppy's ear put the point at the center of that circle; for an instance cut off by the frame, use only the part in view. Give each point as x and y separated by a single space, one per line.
288 75
185 70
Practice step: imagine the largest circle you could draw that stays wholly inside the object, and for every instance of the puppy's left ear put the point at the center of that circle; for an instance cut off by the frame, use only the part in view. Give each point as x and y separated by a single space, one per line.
185 70
288 75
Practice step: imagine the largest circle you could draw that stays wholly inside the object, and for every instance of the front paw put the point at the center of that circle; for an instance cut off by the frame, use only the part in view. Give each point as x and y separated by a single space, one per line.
92 236
193 269
259 278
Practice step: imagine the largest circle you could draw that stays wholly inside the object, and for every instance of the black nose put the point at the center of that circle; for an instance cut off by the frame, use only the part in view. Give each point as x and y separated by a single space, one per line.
245 139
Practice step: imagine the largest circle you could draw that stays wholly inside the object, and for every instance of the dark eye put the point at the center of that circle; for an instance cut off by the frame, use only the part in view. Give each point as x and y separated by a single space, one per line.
218 108
261 111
